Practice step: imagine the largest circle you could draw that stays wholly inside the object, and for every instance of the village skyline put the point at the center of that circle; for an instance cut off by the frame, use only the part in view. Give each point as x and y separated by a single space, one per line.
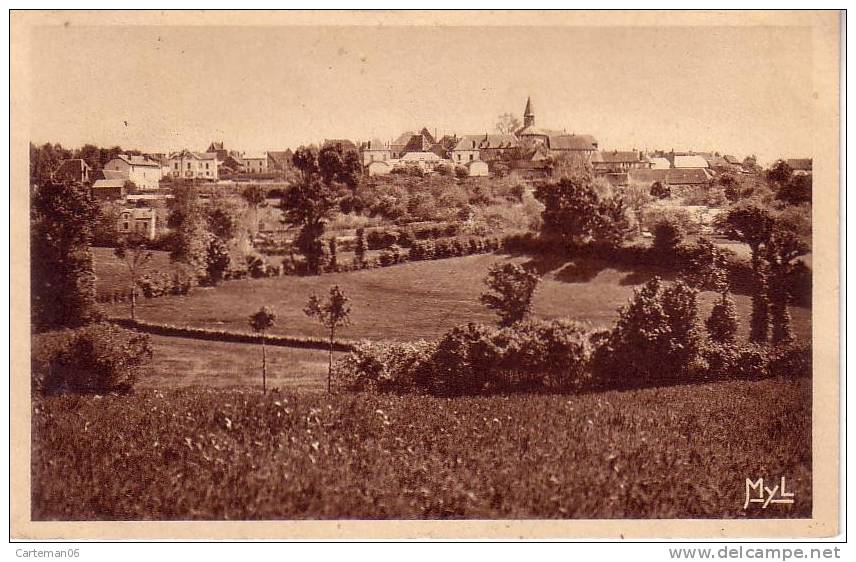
273 88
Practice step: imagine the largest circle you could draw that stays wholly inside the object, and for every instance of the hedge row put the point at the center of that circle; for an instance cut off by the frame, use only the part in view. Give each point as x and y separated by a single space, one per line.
542 356
209 334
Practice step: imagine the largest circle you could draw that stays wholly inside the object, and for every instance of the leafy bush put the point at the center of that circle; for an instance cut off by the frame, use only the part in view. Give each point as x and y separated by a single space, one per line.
668 235
793 360
656 338
722 322
99 358
381 366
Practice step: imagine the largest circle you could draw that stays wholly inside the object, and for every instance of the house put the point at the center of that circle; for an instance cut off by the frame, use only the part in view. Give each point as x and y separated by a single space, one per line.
139 220
397 147
732 160
427 161
689 161
477 168
193 165
659 163
219 149
800 166
486 147
606 162
672 176
374 150
255 162
467 149
142 171
74 170
108 189
341 144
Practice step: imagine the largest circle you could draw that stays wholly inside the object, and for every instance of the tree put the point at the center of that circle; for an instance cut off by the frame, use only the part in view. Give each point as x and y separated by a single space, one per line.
636 196
722 322
507 124
789 239
334 261
571 209
133 250
61 267
708 267
780 173
217 260
332 313
511 290
748 222
187 219
360 249
308 204
255 196
796 191
668 235
261 321
340 164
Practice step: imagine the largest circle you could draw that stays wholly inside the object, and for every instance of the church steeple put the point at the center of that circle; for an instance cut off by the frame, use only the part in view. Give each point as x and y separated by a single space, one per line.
528 114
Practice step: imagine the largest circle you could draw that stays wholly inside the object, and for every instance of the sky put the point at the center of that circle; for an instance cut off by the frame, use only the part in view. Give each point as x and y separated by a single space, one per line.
736 90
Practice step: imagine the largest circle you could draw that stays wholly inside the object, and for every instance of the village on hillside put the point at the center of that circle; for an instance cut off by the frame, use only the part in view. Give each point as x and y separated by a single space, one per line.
142 182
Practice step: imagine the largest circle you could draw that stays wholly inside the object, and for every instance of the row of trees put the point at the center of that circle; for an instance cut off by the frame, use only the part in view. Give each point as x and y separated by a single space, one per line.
46 158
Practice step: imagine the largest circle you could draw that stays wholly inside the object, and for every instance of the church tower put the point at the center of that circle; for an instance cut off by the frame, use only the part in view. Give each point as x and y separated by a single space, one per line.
528 114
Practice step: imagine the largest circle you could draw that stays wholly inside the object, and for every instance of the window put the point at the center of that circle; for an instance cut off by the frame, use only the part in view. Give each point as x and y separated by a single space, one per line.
206 165
471 157
176 165
188 165
125 226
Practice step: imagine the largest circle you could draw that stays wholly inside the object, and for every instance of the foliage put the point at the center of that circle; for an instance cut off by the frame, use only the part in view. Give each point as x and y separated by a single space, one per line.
668 236
796 191
507 124
338 164
61 266
511 289
217 260
759 321
133 250
779 173
104 229
748 222
722 322
262 320
659 190
360 249
708 266
332 313
656 337
100 358
575 214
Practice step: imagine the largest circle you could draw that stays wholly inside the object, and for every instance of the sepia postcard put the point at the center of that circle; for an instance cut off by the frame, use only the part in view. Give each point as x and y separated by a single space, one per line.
425 274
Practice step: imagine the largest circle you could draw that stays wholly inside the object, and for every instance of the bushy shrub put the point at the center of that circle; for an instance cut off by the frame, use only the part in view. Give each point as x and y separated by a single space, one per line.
154 285
656 338
382 366
722 322
256 266
794 360
668 235
391 256
96 359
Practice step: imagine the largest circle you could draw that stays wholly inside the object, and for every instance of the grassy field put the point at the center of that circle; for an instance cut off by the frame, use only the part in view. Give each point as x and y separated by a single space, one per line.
187 362
112 274
419 299
678 452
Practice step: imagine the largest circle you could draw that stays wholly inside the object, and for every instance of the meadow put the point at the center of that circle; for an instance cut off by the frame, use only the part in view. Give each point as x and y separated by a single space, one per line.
419 299
224 454
181 362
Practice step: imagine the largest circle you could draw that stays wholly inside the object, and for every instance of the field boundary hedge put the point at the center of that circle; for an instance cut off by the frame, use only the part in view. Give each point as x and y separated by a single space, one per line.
227 336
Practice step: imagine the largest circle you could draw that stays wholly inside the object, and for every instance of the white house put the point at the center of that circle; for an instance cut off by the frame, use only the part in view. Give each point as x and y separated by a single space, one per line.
255 163
145 173
427 161
193 165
